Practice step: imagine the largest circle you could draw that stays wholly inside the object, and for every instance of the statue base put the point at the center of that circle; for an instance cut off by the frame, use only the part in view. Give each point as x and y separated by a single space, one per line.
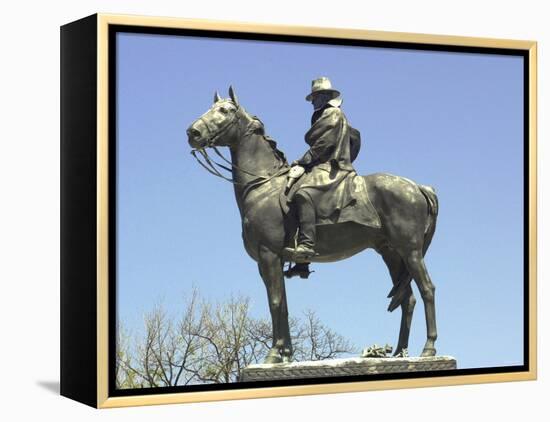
345 367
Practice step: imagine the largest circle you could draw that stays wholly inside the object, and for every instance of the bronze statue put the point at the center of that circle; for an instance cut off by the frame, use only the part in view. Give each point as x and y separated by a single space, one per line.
391 214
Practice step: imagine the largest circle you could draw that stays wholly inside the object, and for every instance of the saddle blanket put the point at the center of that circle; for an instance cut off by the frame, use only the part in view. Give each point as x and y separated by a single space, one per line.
338 197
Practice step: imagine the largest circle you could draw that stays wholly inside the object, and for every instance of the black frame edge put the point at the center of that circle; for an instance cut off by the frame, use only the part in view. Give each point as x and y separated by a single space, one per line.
78 346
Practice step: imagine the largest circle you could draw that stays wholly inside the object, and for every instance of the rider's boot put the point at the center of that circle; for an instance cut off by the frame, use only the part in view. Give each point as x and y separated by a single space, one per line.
306 234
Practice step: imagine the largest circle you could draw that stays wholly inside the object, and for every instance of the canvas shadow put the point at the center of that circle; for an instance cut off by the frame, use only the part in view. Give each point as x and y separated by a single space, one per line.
51 386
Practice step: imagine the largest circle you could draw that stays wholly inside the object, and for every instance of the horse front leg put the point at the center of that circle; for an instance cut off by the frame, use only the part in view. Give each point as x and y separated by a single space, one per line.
271 270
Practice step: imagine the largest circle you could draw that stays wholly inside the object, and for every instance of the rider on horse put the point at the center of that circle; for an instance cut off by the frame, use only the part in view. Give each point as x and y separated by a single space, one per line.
334 144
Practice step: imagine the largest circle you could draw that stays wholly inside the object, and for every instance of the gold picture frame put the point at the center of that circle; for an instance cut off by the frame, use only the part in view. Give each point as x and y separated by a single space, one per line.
85 298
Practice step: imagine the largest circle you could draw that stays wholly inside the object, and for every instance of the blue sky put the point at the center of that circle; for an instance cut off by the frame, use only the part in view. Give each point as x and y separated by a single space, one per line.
450 120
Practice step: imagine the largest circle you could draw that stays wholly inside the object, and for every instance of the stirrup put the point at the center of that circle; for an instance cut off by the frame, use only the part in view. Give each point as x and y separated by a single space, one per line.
300 253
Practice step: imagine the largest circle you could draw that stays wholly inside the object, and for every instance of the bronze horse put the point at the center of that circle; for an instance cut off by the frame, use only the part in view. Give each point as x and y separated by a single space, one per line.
407 211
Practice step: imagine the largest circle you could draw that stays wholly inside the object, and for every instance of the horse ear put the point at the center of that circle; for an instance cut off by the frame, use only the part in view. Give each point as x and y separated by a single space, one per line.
217 97
233 95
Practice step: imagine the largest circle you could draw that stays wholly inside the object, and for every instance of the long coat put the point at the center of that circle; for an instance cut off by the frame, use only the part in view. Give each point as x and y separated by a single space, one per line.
331 139
338 193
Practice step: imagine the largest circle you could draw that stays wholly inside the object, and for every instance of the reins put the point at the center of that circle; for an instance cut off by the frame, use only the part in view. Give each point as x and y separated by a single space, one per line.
210 168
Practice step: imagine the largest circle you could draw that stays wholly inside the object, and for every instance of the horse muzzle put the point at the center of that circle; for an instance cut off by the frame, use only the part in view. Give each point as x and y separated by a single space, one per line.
195 135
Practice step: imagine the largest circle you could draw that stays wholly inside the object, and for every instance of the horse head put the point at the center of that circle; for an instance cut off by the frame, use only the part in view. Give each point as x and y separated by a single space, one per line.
219 125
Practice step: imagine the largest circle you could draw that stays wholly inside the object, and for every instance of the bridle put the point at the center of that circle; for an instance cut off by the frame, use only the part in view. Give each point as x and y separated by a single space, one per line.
210 164
212 135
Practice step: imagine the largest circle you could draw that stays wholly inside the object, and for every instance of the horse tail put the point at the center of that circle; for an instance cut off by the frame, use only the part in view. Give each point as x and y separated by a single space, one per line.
397 293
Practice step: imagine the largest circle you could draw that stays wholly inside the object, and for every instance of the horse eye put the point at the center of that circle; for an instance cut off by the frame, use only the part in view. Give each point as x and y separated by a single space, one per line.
223 110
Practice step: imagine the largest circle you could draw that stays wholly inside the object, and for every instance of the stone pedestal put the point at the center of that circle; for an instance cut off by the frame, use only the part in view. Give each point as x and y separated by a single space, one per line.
344 367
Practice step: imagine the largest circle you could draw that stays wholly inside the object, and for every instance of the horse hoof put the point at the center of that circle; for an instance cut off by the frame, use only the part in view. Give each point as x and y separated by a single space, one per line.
270 359
428 352
401 352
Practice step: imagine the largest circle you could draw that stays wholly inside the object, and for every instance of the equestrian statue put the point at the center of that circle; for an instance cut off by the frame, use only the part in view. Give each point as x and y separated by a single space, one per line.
317 209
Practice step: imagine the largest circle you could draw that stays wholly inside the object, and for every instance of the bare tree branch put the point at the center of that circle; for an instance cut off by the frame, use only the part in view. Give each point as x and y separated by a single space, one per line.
212 344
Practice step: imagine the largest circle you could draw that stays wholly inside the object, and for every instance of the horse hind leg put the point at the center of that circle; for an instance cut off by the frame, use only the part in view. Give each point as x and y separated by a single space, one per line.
417 268
400 275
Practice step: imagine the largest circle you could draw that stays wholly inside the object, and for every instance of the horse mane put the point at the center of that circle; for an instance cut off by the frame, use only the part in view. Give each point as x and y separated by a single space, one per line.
258 127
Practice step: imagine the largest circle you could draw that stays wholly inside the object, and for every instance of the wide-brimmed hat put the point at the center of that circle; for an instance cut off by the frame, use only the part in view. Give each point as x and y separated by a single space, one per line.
322 84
